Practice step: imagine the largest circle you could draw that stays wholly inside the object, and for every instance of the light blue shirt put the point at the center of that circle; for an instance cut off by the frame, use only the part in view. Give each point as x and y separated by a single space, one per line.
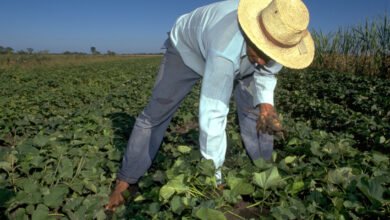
210 42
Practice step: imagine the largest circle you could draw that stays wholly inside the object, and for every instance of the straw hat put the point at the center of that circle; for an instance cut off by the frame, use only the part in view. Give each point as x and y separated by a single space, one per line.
279 29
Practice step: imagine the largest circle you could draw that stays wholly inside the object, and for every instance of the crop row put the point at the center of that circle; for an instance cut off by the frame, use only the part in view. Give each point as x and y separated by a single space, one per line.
63 130
301 101
369 131
365 94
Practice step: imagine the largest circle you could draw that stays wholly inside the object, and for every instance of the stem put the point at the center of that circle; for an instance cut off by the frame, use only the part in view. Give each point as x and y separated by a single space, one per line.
236 215
79 167
55 172
193 190
56 214
12 173
258 203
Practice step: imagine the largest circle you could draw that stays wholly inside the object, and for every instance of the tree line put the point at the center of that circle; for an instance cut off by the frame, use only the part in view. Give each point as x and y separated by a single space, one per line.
10 50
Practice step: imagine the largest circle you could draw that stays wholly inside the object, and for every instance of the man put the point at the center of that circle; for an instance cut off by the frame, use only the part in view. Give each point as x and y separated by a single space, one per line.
234 47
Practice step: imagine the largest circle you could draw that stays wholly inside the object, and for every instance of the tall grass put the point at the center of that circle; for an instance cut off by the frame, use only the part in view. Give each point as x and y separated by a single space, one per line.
362 49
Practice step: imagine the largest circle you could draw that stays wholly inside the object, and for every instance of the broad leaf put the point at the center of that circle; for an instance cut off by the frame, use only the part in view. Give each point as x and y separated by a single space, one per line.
262 164
340 176
208 214
177 205
40 213
166 192
184 149
40 140
372 189
66 168
56 196
267 179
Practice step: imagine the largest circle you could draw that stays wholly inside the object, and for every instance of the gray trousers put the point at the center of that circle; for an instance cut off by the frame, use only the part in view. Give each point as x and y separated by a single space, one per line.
174 81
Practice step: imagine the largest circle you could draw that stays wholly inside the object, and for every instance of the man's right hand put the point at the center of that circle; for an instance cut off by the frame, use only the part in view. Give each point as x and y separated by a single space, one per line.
268 121
116 198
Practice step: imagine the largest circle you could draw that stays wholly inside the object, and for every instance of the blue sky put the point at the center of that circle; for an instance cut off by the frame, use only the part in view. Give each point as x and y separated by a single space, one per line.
131 26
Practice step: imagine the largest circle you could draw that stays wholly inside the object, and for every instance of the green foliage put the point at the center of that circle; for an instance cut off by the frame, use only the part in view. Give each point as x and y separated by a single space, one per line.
63 131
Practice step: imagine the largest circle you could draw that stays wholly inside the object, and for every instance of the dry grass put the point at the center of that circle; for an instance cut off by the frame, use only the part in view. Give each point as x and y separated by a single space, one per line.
363 49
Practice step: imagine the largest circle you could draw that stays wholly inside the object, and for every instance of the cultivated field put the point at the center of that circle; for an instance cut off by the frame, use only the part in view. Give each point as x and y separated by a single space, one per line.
63 129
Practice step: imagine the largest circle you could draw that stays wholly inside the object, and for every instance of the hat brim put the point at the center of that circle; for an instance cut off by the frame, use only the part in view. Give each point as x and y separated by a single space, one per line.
292 57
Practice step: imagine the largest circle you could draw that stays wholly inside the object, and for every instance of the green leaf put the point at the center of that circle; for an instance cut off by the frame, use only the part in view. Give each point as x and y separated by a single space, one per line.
20 213
100 215
77 186
139 198
382 140
282 213
294 141
243 188
38 162
154 208
331 149
66 168
89 185
207 167
297 187
316 149
29 185
290 159
73 203
177 205
178 184
175 185
166 192
262 164
379 158
56 196
5 166
40 213
158 176
40 140
267 179
232 180
34 198
184 149
342 176
372 189
208 214
230 196
26 148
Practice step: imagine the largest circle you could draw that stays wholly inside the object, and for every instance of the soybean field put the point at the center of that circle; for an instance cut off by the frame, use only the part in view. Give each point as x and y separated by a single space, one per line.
63 130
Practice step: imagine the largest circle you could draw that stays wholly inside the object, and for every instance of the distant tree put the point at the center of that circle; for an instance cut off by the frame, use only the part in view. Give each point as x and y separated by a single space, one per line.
73 53
21 52
30 50
6 50
44 52
110 53
94 51
9 50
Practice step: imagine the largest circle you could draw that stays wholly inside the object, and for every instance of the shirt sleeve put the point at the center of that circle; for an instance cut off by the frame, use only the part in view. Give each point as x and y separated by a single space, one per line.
216 90
264 83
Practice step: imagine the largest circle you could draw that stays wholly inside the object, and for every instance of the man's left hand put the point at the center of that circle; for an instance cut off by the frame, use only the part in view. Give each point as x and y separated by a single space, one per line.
268 121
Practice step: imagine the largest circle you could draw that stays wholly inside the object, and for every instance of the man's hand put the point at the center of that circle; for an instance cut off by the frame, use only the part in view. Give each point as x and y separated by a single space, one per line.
268 121
118 196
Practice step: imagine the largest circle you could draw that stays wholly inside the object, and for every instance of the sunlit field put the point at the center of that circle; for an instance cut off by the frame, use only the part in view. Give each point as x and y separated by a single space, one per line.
65 121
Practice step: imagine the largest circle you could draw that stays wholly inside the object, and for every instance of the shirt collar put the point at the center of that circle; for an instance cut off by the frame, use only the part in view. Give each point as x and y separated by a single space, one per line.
243 50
